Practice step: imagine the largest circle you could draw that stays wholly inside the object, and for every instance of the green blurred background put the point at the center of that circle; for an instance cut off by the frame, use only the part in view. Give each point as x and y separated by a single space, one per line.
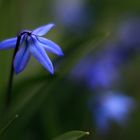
51 105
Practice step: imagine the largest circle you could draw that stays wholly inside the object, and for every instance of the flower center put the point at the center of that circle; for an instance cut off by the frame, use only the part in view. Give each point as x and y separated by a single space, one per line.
25 32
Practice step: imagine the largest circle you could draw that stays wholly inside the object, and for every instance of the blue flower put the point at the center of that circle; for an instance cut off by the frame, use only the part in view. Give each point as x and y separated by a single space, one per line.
99 71
73 14
111 106
129 32
32 42
102 70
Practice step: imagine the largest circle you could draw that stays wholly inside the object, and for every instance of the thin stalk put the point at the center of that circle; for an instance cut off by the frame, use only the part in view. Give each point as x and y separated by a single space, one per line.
11 77
9 123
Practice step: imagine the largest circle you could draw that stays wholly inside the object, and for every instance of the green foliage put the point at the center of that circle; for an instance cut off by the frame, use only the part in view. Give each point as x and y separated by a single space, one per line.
72 135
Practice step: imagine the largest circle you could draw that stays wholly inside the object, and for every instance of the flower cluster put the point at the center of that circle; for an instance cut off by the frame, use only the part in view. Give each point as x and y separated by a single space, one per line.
32 43
111 106
102 71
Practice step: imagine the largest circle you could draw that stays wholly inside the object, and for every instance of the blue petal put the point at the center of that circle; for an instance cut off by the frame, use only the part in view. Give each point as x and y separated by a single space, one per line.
8 43
23 39
21 58
40 54
43 29
50 46
102 121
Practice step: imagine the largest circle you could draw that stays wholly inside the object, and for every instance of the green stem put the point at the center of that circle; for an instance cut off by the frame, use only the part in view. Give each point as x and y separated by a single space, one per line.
11 77
5 127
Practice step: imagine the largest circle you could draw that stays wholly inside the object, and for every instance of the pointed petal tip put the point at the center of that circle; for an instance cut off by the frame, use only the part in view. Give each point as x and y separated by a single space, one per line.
52 24
41 31
58 52
41 56
51 70
61 54
17 71
8 43
50 46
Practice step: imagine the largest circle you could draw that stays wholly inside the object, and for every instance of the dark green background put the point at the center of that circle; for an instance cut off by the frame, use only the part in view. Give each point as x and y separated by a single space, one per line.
51 105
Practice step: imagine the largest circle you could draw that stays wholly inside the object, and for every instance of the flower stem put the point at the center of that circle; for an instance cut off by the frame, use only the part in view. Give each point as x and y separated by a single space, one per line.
11 77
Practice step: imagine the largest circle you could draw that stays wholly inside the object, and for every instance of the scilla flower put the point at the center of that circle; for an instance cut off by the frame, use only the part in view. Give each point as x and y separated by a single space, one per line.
111 106
32 43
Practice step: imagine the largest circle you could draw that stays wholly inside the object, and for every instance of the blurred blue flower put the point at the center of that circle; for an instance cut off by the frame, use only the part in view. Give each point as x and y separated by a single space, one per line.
96 72
73 14
111 106
32 42
129 32
103 69
104 72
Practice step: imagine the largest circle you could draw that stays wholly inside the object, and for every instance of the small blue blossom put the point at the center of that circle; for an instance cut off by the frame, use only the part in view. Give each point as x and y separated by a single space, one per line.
102 70
73 14
32 43
129 32
99 71
111 106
